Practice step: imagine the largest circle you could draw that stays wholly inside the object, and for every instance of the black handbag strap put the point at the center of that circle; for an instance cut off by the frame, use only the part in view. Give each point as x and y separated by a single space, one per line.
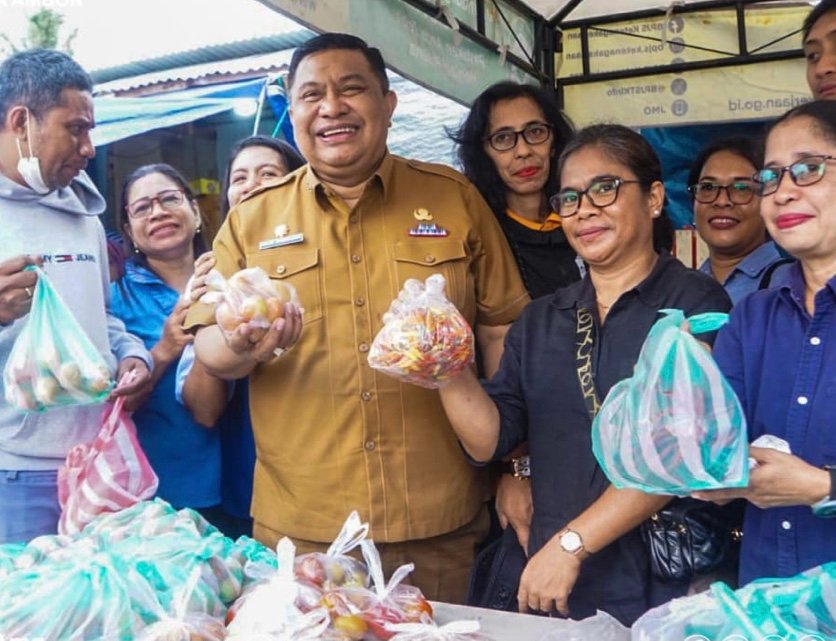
583 360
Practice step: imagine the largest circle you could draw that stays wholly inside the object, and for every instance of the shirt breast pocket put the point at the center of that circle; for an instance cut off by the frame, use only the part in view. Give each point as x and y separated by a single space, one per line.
423 258
298 267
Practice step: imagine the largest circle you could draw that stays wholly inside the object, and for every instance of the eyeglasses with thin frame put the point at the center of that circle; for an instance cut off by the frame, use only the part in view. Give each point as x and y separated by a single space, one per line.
535 133
805 172
168 199
603 192
739 192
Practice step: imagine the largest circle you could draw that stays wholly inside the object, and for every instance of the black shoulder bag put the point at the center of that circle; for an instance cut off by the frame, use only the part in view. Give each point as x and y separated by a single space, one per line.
687 537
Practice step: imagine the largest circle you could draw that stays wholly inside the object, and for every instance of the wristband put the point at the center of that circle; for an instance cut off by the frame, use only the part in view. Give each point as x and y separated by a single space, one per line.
826 508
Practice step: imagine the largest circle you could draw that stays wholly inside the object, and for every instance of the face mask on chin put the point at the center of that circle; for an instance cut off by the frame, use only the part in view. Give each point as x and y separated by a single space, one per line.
30 168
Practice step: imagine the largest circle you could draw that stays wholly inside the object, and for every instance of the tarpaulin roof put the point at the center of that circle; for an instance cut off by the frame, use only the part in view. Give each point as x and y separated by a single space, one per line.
118 118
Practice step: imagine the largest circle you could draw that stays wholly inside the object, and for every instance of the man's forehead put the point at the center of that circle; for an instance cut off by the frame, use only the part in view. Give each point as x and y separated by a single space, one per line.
346 62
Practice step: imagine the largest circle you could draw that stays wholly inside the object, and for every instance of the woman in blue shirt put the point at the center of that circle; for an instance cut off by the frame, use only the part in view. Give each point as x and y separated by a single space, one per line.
254 162
160 221
726 212
779 353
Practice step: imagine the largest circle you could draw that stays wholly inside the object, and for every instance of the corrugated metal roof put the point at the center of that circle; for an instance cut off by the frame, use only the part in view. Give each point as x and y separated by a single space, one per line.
204 55
203 73
419 122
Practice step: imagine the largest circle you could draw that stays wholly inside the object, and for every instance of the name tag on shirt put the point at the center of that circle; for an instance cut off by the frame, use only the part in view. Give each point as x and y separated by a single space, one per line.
280 242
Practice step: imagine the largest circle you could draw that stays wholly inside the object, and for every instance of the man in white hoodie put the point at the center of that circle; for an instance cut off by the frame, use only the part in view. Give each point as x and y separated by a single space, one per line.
49 215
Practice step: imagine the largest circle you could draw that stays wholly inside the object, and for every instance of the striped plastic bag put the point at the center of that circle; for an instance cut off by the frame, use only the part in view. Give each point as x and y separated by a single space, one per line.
108 475
676 425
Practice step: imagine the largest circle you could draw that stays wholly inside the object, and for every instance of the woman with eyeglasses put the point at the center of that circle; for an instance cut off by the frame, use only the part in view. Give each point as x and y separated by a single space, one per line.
779 354
726 212
507 145
160 222
585 552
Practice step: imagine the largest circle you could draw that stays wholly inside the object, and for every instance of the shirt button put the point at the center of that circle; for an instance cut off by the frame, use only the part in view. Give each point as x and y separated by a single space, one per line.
281 269
802 400
359 301
369 445
363 347
429 258
353 218
366 396
355 258
815 340
786 525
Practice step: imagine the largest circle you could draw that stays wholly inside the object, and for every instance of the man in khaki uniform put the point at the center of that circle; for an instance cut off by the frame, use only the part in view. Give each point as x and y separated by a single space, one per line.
332 434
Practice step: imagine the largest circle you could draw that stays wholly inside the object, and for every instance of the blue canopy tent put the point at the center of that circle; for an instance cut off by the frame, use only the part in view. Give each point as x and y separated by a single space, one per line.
118 118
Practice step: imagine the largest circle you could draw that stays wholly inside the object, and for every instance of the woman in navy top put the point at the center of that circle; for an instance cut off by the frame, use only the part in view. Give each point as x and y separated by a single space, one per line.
160 221
585 552
779 353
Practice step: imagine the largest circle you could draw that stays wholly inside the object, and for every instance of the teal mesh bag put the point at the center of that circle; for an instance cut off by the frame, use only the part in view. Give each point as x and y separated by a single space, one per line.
799 608
53 362
675 426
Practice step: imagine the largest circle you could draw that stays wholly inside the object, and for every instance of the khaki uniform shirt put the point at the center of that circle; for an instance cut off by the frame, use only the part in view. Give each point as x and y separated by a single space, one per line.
332 434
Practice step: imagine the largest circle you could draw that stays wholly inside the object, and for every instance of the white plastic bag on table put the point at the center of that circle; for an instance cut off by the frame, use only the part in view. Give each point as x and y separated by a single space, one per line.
269 610
53 362
601 627
424 339
335 568
675 426
392 601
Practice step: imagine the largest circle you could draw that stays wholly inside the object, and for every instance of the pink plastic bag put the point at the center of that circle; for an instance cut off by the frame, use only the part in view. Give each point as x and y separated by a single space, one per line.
110 474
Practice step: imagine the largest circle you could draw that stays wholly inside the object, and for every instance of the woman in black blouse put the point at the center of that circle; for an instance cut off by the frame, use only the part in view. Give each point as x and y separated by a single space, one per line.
585 552
507 147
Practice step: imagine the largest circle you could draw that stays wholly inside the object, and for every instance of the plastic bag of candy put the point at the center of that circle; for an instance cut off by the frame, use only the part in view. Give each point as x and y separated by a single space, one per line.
249 297
675 425
185 624
453 631
424 339
53 362
335 568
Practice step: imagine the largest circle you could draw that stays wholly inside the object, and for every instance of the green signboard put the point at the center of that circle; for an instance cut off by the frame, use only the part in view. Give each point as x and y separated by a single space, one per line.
418 45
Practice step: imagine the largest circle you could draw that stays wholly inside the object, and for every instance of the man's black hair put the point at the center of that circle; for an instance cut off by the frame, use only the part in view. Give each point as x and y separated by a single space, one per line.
823 7
36 78
328 41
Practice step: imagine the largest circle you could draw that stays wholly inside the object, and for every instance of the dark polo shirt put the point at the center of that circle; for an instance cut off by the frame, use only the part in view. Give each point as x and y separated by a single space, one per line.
538 396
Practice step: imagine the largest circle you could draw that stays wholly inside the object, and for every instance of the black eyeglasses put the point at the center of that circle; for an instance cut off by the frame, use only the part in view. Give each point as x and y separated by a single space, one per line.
804 172
603 192
534 134
740 192
168 199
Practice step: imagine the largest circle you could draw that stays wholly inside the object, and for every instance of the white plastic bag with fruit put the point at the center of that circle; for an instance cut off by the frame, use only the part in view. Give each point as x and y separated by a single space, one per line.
335 569
247 297
268 612
53 362
185 624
